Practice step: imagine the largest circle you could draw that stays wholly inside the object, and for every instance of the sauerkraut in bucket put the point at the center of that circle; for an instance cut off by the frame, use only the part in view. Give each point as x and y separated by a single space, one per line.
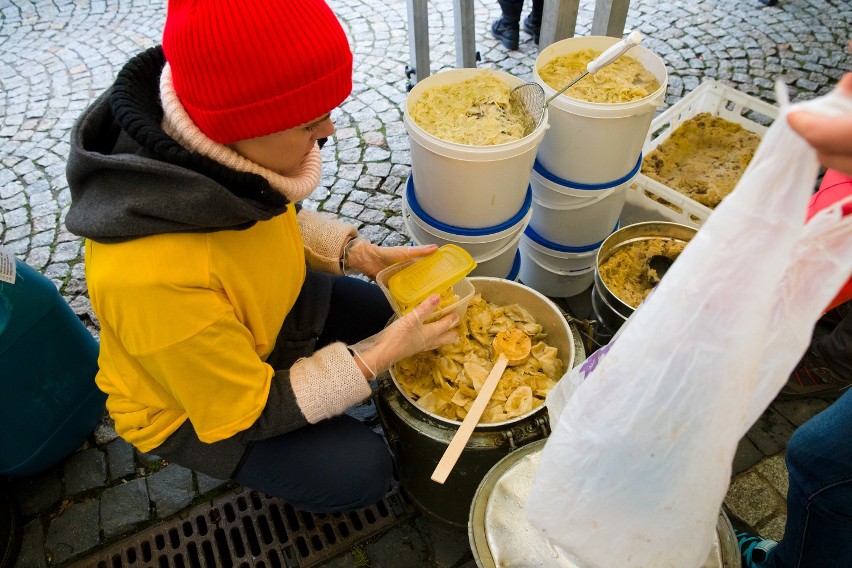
623 80
475 111
599 125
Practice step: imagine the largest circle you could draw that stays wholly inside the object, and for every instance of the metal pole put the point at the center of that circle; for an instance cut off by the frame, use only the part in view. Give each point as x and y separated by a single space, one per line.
465 31
418 40
558 20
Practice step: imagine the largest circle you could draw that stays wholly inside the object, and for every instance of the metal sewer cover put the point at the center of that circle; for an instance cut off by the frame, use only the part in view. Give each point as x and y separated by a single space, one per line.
251 530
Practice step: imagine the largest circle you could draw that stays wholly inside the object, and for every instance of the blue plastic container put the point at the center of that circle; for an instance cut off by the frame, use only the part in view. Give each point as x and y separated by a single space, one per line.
48 363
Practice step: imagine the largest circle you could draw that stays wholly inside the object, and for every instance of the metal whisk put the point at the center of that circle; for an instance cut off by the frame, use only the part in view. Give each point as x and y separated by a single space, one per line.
530 96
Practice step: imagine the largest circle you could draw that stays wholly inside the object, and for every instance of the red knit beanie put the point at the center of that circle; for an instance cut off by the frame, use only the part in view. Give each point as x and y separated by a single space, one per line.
249 68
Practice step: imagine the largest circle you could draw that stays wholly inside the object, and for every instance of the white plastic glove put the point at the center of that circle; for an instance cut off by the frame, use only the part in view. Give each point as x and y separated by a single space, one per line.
405 337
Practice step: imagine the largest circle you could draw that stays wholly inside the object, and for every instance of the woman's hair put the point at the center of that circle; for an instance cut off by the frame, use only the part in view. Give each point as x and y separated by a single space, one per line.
249 68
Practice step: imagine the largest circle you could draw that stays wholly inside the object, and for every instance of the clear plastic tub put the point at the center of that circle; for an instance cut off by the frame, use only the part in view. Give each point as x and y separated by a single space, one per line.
407 284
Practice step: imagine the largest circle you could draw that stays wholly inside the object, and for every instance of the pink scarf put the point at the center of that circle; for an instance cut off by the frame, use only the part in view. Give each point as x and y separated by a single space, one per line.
178 125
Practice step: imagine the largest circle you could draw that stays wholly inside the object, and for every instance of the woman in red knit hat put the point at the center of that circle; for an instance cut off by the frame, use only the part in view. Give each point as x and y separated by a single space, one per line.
231 341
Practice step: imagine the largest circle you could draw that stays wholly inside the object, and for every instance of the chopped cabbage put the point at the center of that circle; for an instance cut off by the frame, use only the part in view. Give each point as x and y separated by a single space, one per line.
623 80
475 112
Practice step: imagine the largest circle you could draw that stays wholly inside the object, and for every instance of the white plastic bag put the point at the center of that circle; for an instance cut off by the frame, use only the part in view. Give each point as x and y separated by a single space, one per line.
644 433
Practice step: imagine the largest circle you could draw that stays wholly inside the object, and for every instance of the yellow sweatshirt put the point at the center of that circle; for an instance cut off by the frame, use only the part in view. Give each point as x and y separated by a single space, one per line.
170 304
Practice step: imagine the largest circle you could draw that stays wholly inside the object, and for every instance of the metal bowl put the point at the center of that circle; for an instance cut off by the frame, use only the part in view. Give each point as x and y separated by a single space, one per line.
559 334
609 309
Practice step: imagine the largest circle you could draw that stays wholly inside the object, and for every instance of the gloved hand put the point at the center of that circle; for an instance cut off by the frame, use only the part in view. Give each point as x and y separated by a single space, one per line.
405 337
370 259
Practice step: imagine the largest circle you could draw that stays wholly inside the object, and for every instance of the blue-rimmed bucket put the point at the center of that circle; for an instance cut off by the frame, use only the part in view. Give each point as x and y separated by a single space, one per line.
493 248
596 142
465 185
515 273
576 214
557 270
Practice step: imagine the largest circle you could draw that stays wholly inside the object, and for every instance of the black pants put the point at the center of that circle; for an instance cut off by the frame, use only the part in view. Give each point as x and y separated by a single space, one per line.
836 347
337 464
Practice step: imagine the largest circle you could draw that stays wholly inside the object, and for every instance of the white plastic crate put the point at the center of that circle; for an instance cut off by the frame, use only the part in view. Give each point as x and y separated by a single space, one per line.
641 205
712 97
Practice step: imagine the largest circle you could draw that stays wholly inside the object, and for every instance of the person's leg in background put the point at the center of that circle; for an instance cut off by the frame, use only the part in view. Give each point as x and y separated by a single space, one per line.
819 499
506 28
836 347
532 23
826 369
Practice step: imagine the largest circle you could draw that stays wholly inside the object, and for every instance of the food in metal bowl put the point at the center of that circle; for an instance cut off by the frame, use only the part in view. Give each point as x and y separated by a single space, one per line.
627 273
445 381
477 112
623 80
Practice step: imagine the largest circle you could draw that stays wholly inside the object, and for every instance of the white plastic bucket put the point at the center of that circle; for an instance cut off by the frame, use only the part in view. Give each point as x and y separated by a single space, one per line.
515 273
551 282
494 249
558 257
596 142
499 264
575 214
464 185
481 244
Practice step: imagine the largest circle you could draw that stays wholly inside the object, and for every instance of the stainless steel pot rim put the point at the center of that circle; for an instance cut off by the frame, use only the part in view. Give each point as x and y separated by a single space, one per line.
628 235
440 420
569 360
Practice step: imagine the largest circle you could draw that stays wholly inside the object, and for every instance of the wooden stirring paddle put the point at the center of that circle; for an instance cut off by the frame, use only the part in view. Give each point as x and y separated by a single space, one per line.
513 348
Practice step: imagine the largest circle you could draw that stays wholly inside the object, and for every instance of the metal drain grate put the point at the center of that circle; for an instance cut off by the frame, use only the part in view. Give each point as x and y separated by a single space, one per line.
251 530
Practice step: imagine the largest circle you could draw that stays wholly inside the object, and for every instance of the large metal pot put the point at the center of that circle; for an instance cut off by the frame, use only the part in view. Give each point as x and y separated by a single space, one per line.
418 438
608 308
498 528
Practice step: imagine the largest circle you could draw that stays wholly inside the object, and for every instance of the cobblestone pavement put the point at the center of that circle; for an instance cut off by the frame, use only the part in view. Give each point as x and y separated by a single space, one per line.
56 56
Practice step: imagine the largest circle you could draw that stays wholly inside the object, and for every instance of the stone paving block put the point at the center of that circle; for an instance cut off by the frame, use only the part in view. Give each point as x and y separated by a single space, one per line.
400 546
121 463
747 456
775 471
124 506
31 554
752 498
771 432
37 493
773 528
345 561
85 470
207 483
170 489
800 411
147 458
74 531
447 546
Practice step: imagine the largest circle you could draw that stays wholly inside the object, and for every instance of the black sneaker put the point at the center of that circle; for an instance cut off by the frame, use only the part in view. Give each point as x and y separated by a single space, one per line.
813 377
507 32
531 28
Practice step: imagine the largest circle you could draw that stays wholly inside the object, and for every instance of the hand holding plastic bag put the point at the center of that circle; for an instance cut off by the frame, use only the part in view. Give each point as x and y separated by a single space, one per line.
645 431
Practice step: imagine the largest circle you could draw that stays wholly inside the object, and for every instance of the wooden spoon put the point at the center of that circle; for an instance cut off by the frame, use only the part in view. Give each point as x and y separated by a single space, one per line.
513 348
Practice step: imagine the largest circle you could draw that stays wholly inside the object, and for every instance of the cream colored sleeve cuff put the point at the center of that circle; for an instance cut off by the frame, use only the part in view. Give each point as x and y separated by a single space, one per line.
327 383
324 237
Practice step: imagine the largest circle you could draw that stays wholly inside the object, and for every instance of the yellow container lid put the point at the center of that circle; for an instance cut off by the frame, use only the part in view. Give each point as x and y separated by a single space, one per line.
429 275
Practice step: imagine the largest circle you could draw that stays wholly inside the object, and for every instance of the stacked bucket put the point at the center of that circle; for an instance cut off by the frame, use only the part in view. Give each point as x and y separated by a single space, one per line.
584 165
476 197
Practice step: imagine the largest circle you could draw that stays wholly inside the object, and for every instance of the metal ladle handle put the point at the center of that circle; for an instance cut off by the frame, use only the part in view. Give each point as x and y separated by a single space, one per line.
611 54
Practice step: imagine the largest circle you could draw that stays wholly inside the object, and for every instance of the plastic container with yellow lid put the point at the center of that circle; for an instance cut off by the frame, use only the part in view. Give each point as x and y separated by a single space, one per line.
409 283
